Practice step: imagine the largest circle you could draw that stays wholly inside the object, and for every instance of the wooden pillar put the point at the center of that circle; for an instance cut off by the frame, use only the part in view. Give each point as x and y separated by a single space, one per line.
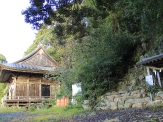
51 89
28 88
0 70
159 80
40 89
148 72
150 94
9 91
12 89
14 94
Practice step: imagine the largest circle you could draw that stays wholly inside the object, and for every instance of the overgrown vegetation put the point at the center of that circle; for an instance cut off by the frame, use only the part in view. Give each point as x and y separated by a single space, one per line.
155 107
10 109
3 89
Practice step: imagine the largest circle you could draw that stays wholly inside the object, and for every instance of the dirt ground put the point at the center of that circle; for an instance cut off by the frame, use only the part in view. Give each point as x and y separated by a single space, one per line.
130 115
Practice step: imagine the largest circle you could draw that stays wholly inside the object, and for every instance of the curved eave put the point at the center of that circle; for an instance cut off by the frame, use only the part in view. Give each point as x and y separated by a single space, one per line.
6 72
25 70
151 60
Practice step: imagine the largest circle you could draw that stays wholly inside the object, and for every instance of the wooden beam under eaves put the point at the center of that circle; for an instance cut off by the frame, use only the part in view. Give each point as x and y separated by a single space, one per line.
148 72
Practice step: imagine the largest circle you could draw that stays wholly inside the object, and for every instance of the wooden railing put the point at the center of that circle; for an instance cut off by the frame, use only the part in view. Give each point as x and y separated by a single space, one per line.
28 98
24 100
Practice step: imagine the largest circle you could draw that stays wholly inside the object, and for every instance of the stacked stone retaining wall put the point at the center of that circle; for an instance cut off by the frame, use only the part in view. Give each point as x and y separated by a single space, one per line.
133 99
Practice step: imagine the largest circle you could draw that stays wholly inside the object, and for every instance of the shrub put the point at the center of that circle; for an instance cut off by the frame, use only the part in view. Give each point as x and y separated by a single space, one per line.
32 108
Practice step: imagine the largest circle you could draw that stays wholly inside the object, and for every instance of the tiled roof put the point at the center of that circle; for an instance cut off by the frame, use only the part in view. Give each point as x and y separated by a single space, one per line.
35 51
28 67
7 69
150 59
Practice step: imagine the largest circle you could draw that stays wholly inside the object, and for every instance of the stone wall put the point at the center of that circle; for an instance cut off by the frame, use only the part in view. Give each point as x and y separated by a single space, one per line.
132 99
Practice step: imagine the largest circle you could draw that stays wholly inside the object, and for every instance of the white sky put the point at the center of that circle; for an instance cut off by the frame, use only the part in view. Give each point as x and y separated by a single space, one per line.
15 35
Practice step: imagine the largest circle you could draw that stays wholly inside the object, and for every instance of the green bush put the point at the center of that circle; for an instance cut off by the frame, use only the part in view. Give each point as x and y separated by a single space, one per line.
3 89
106 60
32 108
64 91
52 102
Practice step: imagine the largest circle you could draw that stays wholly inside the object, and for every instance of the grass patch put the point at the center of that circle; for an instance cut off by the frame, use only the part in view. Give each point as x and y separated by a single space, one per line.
153 120
10 109
155 107
43 114
55 112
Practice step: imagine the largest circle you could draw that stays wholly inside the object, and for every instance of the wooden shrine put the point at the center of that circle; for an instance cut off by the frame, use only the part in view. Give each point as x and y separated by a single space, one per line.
30 79
154 69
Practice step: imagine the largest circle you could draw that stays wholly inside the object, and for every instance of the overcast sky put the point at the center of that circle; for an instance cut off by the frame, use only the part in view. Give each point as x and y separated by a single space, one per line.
15 35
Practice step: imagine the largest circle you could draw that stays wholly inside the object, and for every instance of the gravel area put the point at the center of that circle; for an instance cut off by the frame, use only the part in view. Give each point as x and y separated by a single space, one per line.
130 115
16 117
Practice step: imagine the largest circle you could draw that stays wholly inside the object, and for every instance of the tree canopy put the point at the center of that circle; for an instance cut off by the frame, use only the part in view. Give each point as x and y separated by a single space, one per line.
133 15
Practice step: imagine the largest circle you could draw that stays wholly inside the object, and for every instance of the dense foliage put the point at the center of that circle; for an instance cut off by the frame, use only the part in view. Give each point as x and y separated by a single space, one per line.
96 41
3 89
2 59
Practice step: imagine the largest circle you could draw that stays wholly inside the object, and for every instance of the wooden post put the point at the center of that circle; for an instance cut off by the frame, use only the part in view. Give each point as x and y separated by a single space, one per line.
14 94
150 94
40 89
158 77
17 103
28 88
148 72
0 70
14 91
9 97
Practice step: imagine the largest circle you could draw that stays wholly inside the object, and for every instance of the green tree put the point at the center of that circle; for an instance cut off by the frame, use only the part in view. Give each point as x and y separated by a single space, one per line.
2 59
66 16
104 60
134 15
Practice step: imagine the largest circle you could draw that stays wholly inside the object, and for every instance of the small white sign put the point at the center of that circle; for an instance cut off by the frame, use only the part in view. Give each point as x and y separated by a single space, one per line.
75 89
149 79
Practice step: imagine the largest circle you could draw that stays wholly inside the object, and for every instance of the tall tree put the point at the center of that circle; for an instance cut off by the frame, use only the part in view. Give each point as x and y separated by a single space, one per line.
133 15
67 16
